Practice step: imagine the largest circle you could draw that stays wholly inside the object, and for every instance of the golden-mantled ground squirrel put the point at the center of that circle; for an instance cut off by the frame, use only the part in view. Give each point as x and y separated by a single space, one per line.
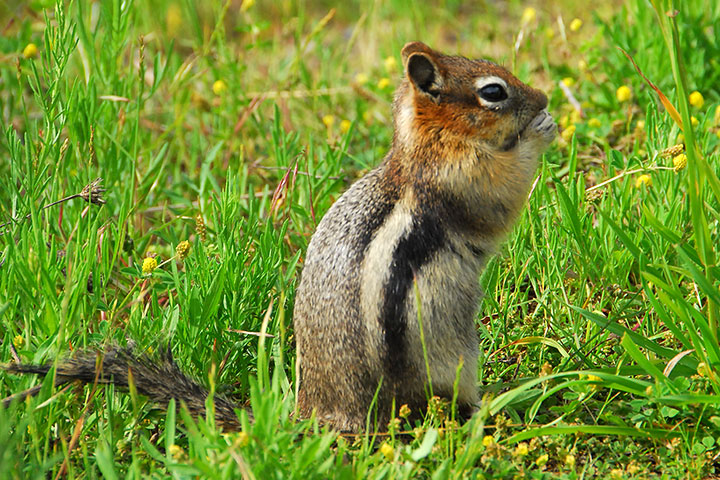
395 262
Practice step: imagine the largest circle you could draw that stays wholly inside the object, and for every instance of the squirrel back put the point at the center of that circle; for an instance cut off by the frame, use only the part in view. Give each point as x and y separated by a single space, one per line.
386 306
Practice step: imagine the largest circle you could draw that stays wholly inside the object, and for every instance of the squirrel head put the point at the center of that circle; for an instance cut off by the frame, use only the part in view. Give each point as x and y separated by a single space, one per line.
458 101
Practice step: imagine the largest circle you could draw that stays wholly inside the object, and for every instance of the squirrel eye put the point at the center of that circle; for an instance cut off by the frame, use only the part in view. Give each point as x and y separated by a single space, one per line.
493 92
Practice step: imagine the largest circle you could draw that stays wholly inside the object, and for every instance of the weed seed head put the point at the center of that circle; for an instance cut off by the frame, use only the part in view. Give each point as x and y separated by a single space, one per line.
673 151
183 249
200 228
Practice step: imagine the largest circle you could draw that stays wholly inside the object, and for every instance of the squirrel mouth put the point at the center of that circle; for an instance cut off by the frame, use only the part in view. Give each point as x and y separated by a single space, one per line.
512 140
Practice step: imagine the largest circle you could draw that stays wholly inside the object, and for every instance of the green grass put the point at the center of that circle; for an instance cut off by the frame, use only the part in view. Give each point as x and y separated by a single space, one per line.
599 351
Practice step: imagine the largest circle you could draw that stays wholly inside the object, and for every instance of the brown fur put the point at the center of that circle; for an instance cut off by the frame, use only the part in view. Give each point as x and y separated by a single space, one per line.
403 246
446 185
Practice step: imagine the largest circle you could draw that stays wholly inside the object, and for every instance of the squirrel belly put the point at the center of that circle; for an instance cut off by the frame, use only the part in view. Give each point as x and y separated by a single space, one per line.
387 302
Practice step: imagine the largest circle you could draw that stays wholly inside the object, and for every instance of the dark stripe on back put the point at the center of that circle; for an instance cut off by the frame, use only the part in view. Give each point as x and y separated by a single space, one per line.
413 251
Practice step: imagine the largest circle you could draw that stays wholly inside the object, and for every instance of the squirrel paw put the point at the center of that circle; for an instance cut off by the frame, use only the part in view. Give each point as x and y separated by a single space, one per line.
543 126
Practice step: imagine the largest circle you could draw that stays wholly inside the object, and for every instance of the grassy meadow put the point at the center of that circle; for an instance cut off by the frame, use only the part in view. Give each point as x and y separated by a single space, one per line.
223 131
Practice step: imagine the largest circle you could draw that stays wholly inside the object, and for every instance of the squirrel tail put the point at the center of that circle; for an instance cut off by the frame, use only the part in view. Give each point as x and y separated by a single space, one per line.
159 379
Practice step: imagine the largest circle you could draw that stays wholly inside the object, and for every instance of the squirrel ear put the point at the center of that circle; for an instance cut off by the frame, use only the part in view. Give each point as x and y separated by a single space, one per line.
423 73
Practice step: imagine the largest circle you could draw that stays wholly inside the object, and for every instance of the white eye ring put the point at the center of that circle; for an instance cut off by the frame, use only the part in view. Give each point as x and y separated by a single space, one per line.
485 81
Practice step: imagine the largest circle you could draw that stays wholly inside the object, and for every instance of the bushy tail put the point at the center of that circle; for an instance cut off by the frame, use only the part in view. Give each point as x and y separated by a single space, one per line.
160 379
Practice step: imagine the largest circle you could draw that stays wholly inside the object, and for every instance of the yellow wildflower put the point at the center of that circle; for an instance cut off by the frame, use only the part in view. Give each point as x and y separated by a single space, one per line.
617 474
175 451
528 15
568 133
361 78
549 33
542 460
383 83
30 51
404 411
219 87
173 19
679 162
575 117
521 450
488 441
345 126
570 460
594 123
695 122
646 180
390 64
623 93
328 120
388 451
149 264
246 5
716 117
18 341
182 249
242 439
568 81
696 99
582 65
576 24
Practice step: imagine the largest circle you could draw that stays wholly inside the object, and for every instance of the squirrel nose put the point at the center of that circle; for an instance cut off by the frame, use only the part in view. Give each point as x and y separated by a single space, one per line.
541 99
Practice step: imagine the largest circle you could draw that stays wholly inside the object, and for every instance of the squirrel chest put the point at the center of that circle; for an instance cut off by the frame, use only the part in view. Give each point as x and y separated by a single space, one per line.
386 307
